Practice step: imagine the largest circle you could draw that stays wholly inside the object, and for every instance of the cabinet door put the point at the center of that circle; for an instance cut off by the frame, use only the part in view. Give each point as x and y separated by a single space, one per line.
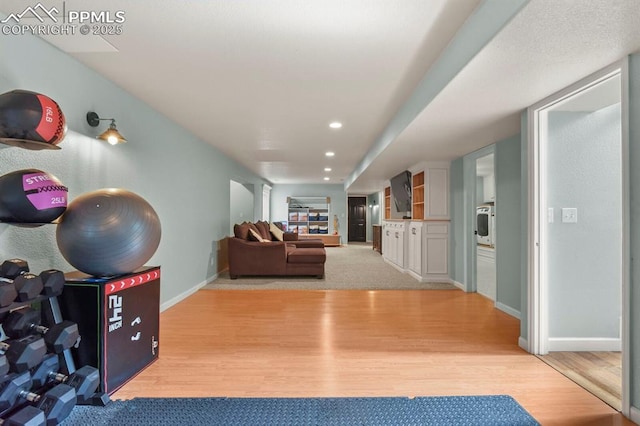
415 249
437 197
400 247
387 249
436 249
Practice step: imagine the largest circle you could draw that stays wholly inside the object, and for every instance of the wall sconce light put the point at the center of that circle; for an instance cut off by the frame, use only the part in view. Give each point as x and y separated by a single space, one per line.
111 135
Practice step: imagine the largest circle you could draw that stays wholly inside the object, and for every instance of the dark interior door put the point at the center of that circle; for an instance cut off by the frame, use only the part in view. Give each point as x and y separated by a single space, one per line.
357 219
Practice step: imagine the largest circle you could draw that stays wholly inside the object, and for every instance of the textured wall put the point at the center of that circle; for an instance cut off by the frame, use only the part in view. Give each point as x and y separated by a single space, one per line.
584 172
183 178
507 176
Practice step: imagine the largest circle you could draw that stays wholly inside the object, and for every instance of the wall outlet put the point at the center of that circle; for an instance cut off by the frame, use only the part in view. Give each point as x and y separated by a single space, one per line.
569 215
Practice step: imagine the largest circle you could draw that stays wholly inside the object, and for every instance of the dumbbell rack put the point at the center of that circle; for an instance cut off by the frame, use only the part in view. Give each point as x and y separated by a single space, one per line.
50 315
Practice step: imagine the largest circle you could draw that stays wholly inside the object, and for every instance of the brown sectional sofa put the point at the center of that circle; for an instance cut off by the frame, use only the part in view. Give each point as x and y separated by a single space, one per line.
248 256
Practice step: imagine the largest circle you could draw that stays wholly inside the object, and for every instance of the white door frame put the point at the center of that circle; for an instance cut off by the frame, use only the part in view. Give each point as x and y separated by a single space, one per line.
469 206
266 202
538 321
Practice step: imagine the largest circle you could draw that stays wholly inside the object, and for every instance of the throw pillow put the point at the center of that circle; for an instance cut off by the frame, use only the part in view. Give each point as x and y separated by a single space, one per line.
277 232
256 235
241 231
263 227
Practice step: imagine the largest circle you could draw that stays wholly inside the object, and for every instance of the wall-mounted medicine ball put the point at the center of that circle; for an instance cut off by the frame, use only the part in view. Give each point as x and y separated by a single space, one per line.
31 196
31 120
108 232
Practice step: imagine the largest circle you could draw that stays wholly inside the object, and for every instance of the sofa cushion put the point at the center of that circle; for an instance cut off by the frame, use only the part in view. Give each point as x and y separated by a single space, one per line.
254 233
241 231
306 255
276 232
263 227
255 236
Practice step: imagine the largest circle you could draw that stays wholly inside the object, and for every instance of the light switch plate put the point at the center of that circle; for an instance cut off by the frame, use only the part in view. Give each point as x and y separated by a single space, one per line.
569 215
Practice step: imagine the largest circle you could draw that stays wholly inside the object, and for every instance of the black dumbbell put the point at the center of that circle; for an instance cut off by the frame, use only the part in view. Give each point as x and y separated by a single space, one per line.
56 403
52 279
4 365
10 269
85 380
52 282
25 321
8 294
27 286
13 268
25 416
16 272
25 353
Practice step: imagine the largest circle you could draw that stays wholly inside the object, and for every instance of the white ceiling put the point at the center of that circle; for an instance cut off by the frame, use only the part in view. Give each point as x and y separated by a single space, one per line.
262 79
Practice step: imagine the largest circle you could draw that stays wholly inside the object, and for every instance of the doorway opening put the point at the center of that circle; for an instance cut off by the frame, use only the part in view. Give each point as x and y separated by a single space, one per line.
485 227
577 285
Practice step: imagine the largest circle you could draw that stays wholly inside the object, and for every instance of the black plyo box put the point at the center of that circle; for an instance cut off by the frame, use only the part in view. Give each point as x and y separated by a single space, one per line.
118 320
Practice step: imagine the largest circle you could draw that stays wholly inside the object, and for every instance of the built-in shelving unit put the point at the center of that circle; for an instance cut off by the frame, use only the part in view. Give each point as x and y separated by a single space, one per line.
387 202
309 215
418 196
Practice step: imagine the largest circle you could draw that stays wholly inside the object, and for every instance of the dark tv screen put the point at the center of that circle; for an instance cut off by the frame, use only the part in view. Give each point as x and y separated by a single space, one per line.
401 191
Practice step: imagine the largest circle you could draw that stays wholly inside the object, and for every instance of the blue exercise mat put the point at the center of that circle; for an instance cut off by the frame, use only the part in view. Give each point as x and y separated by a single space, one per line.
392 411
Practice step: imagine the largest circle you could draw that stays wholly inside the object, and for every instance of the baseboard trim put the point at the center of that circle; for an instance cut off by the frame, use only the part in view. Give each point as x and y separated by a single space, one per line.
415 276
437 278
508 310
395 266
523 343
634 415
179 298
459 285
580 344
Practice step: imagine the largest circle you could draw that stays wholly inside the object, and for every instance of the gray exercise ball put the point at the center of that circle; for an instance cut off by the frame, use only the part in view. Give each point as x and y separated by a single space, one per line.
108 232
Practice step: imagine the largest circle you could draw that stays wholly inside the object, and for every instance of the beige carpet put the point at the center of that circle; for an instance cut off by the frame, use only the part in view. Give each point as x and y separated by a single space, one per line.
351 267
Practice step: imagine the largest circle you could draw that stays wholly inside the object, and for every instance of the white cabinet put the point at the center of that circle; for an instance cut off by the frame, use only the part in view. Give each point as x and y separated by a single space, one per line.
436 252
437 192
414 256
486 271
420 247
393 243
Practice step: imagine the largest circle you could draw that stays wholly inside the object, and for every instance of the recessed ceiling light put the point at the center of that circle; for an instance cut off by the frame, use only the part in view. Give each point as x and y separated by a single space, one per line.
327 169
335 125
329 153
326 178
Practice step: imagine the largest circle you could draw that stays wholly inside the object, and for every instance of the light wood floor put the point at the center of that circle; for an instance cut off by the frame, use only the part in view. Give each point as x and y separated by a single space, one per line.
286 343
598 372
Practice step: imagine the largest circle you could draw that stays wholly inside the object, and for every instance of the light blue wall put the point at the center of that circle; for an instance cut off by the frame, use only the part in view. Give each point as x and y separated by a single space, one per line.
241 203
583 172
280 192
464 198
634 186
456 209
183 178
373 213
508 184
